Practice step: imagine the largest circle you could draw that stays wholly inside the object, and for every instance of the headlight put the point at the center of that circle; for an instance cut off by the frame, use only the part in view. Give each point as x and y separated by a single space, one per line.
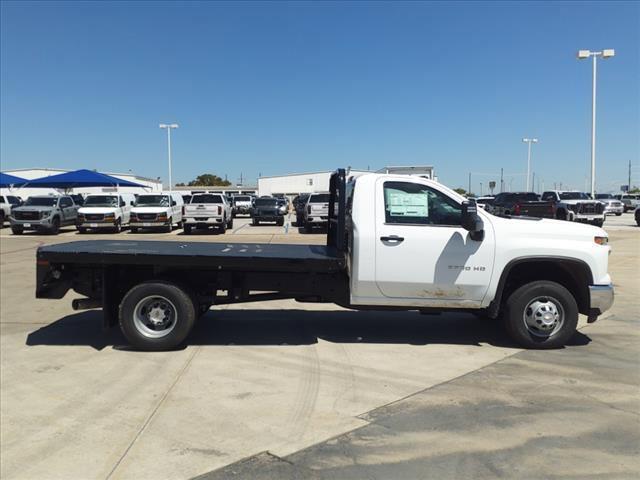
601 240
283 209
109 216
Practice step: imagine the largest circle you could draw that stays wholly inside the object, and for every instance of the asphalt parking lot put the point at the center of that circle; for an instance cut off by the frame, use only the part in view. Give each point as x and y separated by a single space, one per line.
285 390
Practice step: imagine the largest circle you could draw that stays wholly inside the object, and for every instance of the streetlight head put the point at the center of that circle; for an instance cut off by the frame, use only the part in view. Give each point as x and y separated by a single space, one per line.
534 140
582 54
173 125
163 125
609 52
525 139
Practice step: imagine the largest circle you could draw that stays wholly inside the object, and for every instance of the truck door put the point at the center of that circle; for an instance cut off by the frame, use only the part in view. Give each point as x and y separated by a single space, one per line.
67 209
423 255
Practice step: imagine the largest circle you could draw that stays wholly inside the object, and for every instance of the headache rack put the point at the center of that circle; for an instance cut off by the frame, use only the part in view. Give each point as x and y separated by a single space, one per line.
336 237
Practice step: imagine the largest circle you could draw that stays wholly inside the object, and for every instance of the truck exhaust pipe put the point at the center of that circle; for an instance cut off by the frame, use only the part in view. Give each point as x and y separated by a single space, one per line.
85 303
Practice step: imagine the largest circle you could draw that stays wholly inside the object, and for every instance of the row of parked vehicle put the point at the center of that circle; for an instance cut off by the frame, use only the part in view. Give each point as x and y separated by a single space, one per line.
160 211
563 205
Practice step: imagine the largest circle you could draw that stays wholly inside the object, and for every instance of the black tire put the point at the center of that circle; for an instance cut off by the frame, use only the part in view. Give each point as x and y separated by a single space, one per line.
17 230
598 223
117 227
82 230
308 228
168 228
223 226
280 222
514 315
255 222
618 214
187 229
1 219
183 321
55 226
230 224
134 229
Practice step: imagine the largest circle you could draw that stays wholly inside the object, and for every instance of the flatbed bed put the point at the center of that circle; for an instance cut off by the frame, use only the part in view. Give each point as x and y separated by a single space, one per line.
222 256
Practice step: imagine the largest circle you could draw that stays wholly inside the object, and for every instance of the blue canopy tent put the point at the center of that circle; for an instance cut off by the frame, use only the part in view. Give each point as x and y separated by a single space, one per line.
80 178
7 181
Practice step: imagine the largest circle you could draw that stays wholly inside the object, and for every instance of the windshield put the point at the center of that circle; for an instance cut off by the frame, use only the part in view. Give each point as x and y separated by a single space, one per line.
632 197
206 198
152 201
321 198
101 201
242 199
527 197
574 196
265 202
603 196
41 201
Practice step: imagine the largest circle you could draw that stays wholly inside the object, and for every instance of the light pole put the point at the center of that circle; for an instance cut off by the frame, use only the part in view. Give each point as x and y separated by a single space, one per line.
529 141
583 54
168 127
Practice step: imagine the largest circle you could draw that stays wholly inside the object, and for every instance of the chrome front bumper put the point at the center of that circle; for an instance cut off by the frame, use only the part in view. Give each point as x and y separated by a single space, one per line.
600 298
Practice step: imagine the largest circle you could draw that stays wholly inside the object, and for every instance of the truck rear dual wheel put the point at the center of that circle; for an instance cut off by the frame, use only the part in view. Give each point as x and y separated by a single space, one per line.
541 315
156 316
187 229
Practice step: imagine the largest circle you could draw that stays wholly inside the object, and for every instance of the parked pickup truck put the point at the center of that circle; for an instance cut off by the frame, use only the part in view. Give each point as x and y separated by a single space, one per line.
242 204
45 213
394 242
576 207
207 210
526 204
267 209
316 212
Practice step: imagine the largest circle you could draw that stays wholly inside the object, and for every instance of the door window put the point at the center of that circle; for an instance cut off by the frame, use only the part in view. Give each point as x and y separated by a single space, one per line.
65 202
416 204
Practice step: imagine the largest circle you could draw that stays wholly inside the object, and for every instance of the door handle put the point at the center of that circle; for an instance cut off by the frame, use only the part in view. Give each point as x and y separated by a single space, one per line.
392 238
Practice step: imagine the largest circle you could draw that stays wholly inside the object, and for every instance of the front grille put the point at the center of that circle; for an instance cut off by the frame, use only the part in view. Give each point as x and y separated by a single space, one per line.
591 208
94 217
147 216
26 215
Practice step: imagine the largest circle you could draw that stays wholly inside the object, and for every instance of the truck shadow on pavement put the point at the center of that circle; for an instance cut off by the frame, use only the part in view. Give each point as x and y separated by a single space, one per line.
296 327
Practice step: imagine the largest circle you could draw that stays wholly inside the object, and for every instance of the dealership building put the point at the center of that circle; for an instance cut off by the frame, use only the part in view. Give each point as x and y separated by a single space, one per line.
295 183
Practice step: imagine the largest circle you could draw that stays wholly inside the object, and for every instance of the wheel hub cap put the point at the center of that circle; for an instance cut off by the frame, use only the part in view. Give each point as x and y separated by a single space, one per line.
543 316
155 316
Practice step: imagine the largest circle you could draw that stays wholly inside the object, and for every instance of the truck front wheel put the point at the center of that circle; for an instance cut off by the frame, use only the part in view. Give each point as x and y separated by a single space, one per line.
156 316
541 315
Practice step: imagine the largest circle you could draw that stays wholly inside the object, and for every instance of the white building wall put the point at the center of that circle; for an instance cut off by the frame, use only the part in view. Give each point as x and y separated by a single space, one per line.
33 173
298 183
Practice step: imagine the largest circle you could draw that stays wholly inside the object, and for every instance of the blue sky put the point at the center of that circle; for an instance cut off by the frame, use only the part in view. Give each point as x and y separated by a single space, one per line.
270 88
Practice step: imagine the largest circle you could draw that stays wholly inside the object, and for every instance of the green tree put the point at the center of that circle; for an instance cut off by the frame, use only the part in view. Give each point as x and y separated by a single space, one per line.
209 180
460 190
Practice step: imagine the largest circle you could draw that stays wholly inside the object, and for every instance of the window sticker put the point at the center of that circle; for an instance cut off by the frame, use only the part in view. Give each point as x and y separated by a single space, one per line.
403 204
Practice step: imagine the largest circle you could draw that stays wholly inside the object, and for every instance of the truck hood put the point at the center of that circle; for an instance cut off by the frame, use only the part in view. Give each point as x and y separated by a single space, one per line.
576 202
99 210
34 208
150 210
545 228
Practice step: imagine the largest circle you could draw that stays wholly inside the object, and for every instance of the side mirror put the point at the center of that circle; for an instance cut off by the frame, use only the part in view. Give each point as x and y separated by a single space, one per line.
122 203
471 221
173 203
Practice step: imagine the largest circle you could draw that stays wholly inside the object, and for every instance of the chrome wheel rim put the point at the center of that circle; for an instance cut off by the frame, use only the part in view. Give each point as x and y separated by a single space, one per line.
543 317
155 316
